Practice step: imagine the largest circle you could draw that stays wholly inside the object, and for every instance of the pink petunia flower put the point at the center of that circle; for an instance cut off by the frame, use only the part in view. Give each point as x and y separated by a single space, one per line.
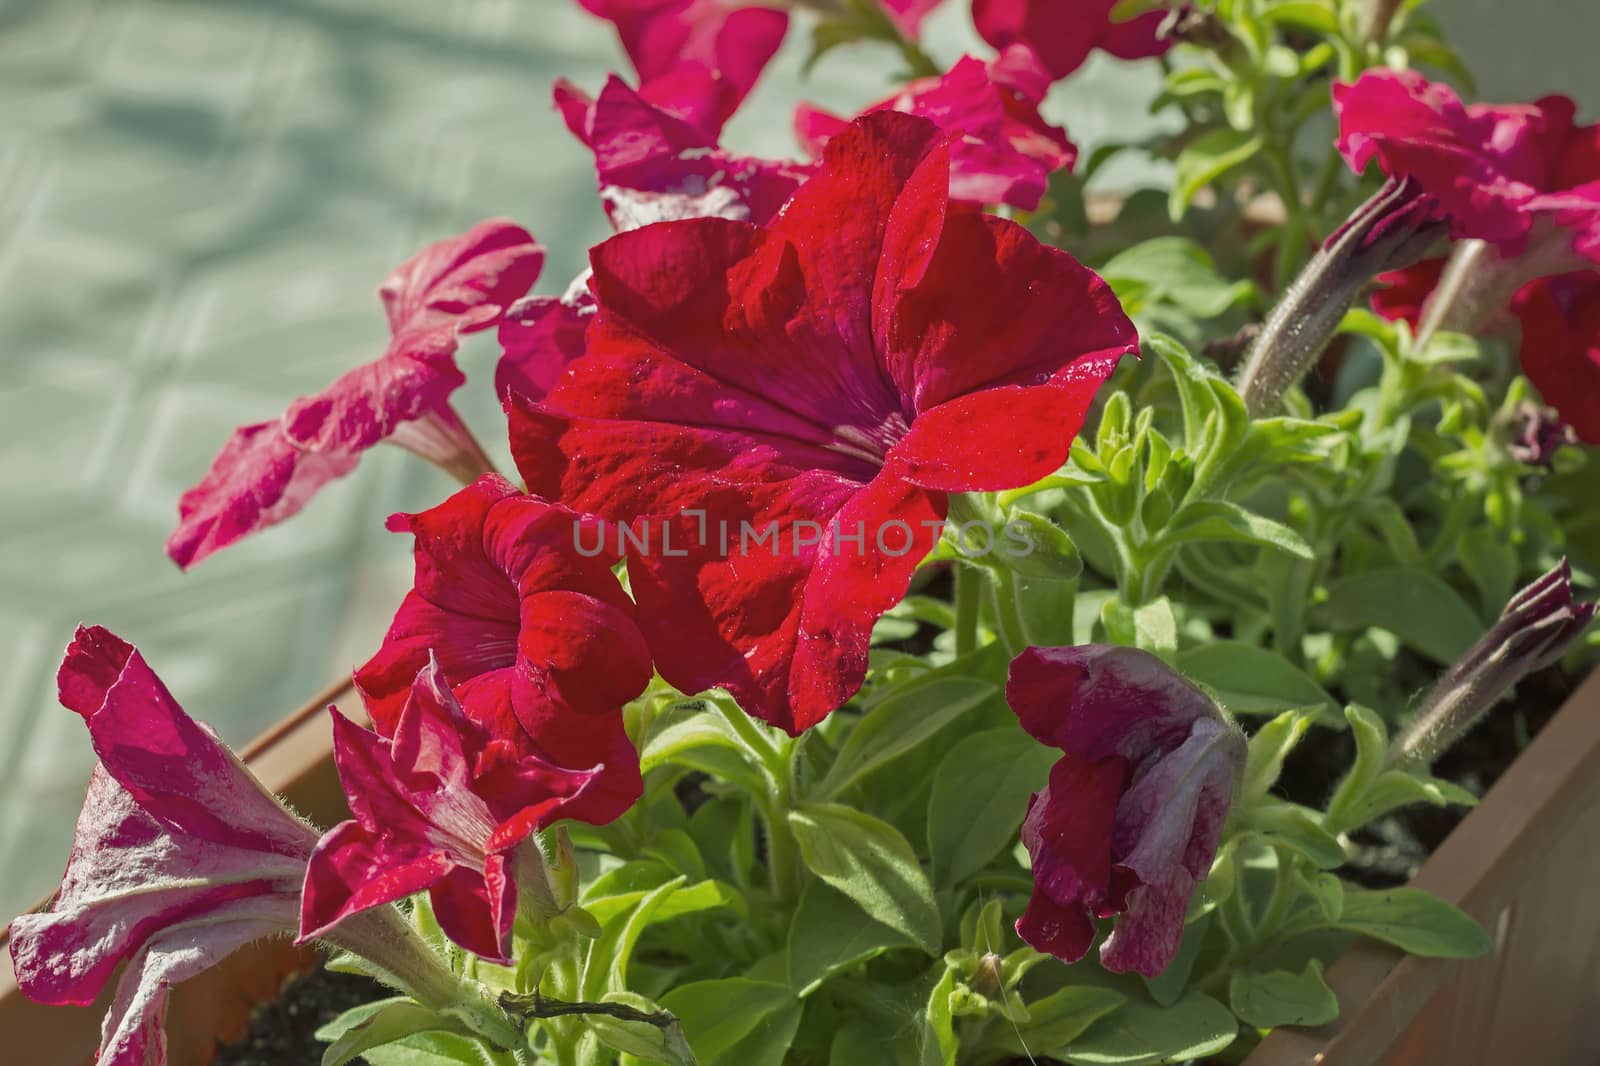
796 401
1134 809
1064 32
1512 175
1006 151
537 639
440 807
268 471
729 40
657 159
180 858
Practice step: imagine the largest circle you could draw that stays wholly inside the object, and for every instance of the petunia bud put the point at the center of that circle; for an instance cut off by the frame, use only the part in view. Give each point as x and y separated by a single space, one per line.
1535 433
1534 630
1391 230
1132 814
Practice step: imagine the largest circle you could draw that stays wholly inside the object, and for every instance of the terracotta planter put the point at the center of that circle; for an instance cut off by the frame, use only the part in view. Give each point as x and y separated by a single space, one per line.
1524 862
295 759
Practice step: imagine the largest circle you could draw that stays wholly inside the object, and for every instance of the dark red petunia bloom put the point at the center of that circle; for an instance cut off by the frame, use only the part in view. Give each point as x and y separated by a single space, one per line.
827 379
1064 32
1509 175
438 809
266 472
1134 809
1006 151
537 639
1560 349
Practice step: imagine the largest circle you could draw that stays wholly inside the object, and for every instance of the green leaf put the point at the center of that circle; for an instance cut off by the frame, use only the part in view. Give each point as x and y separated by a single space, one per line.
1057 1020
939 1044
1252 680
1175 271
1419 608
1036 547
606 966
979 797
1269 747
1369 791
1140 1033
1219 520
1317 16
653 1043
1205 160
701 896
1150 626
1414 921
699 737
394 1021
1296 827
720 1017
436 1049
829 933
901 721
869 861
1265 1000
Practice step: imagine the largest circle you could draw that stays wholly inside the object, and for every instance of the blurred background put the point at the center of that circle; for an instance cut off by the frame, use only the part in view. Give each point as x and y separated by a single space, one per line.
198 200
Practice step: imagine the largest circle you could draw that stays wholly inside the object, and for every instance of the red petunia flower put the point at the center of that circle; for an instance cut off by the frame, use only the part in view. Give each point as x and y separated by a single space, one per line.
1064 32
657 159
438 808
1504 174
1134 809
1560 349
537 638
827 379
1006 151
180 858
268 471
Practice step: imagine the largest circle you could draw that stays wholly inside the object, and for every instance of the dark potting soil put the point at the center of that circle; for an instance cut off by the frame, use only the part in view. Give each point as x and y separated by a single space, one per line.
283 1032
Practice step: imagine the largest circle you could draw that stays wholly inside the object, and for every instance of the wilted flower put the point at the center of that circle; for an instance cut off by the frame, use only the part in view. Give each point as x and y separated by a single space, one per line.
537 639
842 369
439 808
656 156
266 472
1533 631
1134 809
180 858
1006 151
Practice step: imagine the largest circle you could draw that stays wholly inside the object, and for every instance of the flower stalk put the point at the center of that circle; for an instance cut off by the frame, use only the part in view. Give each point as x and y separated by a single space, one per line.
1391 230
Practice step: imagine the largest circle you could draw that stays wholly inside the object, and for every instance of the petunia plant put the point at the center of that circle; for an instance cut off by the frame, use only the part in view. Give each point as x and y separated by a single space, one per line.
936 616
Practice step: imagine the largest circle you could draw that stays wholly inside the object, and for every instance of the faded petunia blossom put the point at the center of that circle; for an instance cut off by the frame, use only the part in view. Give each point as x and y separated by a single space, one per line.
657 159
1005 153
268 471
442 808
797 400
180 858
1512 175
1064 32
537 639
1131 817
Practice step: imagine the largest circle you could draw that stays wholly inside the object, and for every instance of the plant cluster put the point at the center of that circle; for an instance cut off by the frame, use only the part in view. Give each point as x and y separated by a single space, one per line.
903 643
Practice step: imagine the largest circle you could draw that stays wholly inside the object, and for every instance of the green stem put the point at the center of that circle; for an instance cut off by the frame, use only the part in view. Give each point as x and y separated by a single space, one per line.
968 596
783 860
1008 618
